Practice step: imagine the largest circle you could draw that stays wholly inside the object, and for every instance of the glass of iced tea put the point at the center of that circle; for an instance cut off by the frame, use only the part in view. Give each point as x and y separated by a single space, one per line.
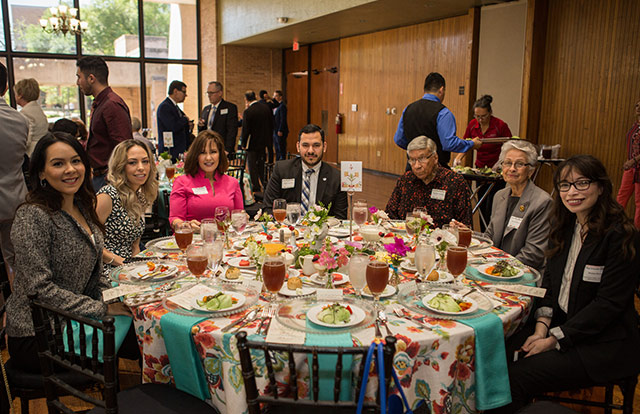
279 209
273 273
197 259
377 279
464 236
456 260
360 212
170 172
184 235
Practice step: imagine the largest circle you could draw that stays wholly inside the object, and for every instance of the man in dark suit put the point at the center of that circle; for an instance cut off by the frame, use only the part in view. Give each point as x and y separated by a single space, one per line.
306 179
173 124
257 129
220 116
280 126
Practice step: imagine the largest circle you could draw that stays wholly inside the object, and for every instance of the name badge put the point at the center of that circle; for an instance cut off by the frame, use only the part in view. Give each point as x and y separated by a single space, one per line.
199 190
514 222
167 138
288 183
224 111
592 273
438 194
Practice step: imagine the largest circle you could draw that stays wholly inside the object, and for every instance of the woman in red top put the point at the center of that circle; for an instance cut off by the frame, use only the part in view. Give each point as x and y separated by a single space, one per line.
631 176
485 125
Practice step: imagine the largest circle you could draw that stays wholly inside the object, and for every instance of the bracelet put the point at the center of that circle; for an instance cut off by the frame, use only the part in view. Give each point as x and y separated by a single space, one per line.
545 324
114 258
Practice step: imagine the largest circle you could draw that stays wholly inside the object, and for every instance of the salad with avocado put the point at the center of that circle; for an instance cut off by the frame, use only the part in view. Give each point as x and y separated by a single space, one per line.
447 303
335 314
502 268
217 302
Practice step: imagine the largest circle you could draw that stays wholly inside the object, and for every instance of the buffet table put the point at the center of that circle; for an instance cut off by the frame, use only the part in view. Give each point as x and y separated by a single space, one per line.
437 365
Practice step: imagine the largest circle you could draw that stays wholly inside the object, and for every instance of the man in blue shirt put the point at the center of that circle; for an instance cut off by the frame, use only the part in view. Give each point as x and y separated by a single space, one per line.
429 117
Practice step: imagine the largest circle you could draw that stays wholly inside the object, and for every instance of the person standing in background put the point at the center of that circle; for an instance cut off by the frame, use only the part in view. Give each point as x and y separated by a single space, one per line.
280 126
110 117
27 94
13 135
173 124
220 116
257 132
631 176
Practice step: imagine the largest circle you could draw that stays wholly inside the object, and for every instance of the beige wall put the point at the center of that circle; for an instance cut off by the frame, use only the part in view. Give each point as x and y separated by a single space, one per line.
245 18
502 36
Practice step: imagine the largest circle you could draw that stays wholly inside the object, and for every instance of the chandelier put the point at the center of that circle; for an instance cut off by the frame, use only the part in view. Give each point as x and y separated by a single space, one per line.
63 19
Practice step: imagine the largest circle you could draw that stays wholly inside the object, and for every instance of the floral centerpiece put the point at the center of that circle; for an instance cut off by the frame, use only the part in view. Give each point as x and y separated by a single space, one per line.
419 225
316 221
441 239
257 253
331 258
264 219
378 216
396 252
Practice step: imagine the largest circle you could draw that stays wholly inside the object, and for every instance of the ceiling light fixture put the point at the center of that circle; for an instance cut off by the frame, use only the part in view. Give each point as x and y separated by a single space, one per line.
63 20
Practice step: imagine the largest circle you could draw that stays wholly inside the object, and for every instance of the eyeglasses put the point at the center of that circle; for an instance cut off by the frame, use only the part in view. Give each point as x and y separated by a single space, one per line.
517 164
485 116
421 160
581 185
211 93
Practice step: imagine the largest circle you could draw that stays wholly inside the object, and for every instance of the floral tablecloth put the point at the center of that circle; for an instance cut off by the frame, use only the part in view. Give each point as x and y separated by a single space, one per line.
436 366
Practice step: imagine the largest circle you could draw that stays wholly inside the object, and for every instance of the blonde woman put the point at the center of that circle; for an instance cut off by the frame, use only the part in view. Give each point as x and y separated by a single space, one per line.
121 204
27 93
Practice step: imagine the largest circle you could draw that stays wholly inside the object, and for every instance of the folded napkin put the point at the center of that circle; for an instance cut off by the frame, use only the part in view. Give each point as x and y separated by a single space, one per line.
492 377
121 323
186 366
327 363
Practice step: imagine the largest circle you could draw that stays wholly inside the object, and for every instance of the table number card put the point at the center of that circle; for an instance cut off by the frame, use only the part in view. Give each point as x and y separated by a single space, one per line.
329 294
255 285
523 290
113 293
351 175
167 139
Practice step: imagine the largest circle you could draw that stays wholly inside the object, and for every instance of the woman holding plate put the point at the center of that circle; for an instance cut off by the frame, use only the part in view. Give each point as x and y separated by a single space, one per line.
205 185
586 327
519 217
58 242
121 204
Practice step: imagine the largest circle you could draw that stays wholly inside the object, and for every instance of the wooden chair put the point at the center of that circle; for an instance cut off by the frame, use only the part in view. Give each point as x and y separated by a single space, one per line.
240 160
50 324
254 399
154 225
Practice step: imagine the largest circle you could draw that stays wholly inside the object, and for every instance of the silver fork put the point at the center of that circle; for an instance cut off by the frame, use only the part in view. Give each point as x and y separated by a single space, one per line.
267 321
383 318
402 314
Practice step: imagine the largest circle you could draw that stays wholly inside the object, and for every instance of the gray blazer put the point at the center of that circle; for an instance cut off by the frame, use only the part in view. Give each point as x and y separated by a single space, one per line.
55 258
13 138
529 241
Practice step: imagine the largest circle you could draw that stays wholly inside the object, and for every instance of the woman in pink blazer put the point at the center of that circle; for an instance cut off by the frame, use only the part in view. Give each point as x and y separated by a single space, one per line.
205 185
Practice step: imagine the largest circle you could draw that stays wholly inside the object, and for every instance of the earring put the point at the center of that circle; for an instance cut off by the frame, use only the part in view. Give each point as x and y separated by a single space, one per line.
43 182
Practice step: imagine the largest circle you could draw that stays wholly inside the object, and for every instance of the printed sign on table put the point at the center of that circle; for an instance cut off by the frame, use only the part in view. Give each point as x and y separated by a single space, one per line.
351 175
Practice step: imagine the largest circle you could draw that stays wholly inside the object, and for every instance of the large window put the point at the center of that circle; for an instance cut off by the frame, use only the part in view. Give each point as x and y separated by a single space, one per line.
170 41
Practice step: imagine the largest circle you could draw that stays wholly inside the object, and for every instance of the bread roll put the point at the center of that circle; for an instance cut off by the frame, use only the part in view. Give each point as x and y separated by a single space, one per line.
294 283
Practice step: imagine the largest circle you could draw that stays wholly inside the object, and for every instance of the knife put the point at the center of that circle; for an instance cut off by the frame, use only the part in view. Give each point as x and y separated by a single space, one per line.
248 315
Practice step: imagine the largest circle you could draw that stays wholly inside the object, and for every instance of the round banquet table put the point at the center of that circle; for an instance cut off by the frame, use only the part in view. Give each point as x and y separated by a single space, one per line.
436 365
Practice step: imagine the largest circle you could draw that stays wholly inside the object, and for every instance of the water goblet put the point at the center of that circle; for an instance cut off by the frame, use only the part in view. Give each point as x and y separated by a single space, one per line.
239 221
279 209
358 272
360 212
197 259
377 279
209 230
294 211
215 251
425 259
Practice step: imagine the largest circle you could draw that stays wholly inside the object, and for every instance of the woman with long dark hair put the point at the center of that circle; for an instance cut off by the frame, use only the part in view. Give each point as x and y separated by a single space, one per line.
586 327
58 243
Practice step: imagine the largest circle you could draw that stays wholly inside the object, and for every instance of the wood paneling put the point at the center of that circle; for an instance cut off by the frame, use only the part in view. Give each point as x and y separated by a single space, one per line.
386 70
591 79
324 92
296 93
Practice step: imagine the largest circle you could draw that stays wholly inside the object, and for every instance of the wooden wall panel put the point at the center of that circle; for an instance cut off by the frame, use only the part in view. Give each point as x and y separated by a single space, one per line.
591 80
324 92
386 70
296 93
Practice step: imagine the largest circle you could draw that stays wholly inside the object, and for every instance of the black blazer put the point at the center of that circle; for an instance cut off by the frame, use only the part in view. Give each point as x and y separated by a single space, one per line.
602 323
171 118
280 120
225 124
328 190
257 127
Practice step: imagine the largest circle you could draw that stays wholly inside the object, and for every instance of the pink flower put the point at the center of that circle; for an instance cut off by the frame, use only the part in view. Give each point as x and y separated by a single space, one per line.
354 244
373 210
397 247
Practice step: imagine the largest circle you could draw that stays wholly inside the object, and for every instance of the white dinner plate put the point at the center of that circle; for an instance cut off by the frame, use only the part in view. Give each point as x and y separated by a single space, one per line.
140 271
315 278
170 243
235 262
444 277
483 269
234 295
473 308
408 266
357 316
388 291
339 232
304 291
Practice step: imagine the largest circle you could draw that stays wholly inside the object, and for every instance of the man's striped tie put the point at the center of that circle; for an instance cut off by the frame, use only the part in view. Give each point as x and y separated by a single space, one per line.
306 190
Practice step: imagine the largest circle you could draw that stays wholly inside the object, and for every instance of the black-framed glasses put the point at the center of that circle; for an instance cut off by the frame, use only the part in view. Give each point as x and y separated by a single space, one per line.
421 160
580 185
517 164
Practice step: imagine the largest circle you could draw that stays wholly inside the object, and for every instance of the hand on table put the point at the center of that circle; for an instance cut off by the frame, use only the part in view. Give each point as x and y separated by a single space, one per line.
118 308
